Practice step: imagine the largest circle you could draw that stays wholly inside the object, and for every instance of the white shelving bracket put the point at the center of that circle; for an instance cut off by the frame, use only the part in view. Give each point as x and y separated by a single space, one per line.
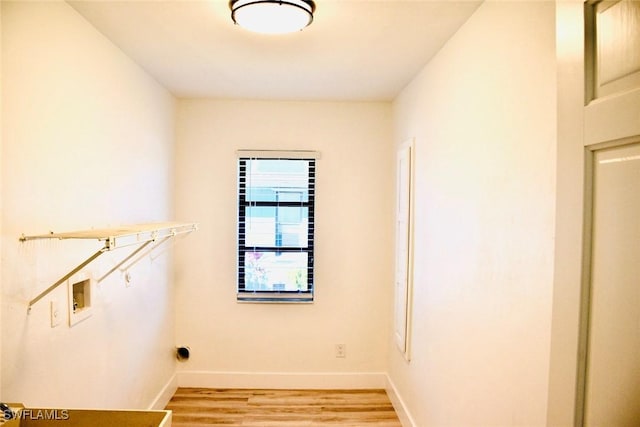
114 238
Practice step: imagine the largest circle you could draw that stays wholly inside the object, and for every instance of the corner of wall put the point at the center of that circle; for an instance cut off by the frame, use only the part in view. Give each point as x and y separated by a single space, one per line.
165 394
398 404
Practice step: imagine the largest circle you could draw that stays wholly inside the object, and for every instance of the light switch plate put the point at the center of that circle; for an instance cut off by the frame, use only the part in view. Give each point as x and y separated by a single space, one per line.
56 313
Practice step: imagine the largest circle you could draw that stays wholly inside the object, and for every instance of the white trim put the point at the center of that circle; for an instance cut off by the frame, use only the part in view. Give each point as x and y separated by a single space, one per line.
282 380
404 231
398 404
275 297
278 154
165 394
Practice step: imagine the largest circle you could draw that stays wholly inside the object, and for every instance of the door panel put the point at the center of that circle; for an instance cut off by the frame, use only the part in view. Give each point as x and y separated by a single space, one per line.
612 70
613 366
617 46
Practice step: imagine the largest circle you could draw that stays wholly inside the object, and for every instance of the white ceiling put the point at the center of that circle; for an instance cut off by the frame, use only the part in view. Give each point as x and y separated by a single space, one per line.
354 50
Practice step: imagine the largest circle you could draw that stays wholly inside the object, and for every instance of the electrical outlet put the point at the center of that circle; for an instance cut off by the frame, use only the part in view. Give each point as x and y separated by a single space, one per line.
56 314
341 351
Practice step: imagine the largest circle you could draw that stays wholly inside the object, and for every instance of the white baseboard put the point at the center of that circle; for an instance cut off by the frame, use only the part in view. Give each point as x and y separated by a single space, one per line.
165 395
282 380
398 404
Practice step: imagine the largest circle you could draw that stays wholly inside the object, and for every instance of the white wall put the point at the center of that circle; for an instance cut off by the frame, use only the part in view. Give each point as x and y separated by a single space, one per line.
353 245
483 113
87 142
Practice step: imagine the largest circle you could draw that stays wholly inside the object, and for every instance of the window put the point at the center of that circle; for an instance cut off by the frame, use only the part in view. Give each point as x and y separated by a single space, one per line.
276 199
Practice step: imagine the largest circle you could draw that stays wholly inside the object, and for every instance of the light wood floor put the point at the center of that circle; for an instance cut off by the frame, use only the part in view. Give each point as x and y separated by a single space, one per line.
287 408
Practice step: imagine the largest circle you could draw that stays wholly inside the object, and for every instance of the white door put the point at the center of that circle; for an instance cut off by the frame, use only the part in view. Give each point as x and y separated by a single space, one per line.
611 394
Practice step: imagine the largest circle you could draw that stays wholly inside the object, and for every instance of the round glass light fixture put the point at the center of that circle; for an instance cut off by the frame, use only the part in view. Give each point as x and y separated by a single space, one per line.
272 16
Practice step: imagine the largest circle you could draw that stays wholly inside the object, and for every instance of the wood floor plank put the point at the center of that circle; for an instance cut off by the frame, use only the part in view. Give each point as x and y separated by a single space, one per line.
201 407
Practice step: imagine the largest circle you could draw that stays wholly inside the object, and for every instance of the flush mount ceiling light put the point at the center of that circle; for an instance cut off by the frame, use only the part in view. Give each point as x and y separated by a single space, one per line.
272 16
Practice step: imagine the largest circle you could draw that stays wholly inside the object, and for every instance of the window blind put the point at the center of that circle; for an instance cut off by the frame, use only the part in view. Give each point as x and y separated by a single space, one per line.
276 219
